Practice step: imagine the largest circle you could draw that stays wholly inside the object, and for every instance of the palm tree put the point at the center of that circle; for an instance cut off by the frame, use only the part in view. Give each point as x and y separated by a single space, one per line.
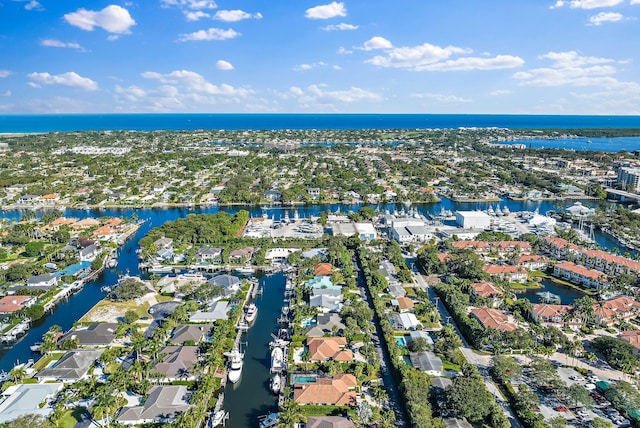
17 374
290 414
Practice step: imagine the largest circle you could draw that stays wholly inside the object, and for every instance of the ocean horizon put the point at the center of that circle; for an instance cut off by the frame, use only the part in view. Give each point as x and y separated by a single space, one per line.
42 123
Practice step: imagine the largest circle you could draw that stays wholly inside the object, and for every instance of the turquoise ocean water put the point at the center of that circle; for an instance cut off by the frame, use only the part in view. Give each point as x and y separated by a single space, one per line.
148 122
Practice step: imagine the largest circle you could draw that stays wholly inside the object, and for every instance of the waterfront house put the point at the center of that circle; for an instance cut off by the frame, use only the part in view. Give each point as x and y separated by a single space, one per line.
326 324
28 199
178 363
324 349
532 262
507 272
560 248
241 255
488 291
279 255
89 253
27 399
314 193
552 315
492 318
163 242
71 367
326 299
329 422
230 284
14 303
581 275
273 195
163 405
320 282
322 269
42 282
189 333
217 311
85 223
165 254
207 254
95 335
427 362
336 391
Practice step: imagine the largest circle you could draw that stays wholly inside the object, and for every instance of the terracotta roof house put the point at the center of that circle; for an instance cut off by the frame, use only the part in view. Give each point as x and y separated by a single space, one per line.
323 269
163 405
178 362
532 262
328 349
402 304
486 289
329 422
189 332
113 222
11 304
609 311
550 315
632 336
98 334
580 275
508 272
337 391
241 255
493 318
86 223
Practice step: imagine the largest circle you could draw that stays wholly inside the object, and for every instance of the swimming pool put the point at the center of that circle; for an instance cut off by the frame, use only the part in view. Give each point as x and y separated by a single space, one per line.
304 379
402 341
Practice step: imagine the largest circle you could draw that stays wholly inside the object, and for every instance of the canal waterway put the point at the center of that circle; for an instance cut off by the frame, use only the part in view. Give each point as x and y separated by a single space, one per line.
250 397
69 311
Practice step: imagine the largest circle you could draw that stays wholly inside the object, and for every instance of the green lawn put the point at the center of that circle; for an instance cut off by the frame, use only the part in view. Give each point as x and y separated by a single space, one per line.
71 418
46 359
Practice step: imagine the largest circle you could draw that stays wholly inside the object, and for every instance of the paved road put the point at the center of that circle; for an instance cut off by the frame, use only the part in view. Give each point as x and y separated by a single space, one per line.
390 383
482 362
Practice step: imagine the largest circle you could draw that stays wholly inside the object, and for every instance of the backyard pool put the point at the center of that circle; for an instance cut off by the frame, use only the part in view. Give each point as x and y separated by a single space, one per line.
304 379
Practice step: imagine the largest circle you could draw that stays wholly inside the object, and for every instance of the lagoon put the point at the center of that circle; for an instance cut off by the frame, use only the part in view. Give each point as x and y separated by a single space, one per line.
596 144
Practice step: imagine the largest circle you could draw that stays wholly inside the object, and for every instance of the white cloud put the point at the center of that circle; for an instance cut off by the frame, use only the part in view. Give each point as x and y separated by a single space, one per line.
195 83
573 59
305 67
223 65
190 4
235 15
413 57
70 79
6 93
605 17
499 92
340 27
376 42
54 43
343 51
635 1
33 5
474 63
113 19
5 73
594 4
557 4
196 15
315 95
326 11
210 34
570 69
444 99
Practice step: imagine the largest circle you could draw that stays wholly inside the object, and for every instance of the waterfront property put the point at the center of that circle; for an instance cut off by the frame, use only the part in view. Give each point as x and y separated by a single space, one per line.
163 405
27 399
336 391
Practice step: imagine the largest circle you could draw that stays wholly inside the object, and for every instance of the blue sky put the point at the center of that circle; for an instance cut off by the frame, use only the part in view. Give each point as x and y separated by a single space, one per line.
352 56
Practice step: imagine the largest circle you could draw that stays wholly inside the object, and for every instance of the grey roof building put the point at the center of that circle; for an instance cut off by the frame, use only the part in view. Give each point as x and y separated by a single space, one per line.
21 400
187 332
163 405
44 281
73 365
325 325
329 422
230 283
178 362
427 362
98 334
217 311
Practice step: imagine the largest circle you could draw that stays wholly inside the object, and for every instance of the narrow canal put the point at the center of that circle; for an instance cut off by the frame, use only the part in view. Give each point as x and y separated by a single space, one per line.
250 397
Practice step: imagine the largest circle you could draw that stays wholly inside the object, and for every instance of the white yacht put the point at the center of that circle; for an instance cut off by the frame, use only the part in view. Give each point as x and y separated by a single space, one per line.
276 384
252 312
277 359
235 365
268 421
